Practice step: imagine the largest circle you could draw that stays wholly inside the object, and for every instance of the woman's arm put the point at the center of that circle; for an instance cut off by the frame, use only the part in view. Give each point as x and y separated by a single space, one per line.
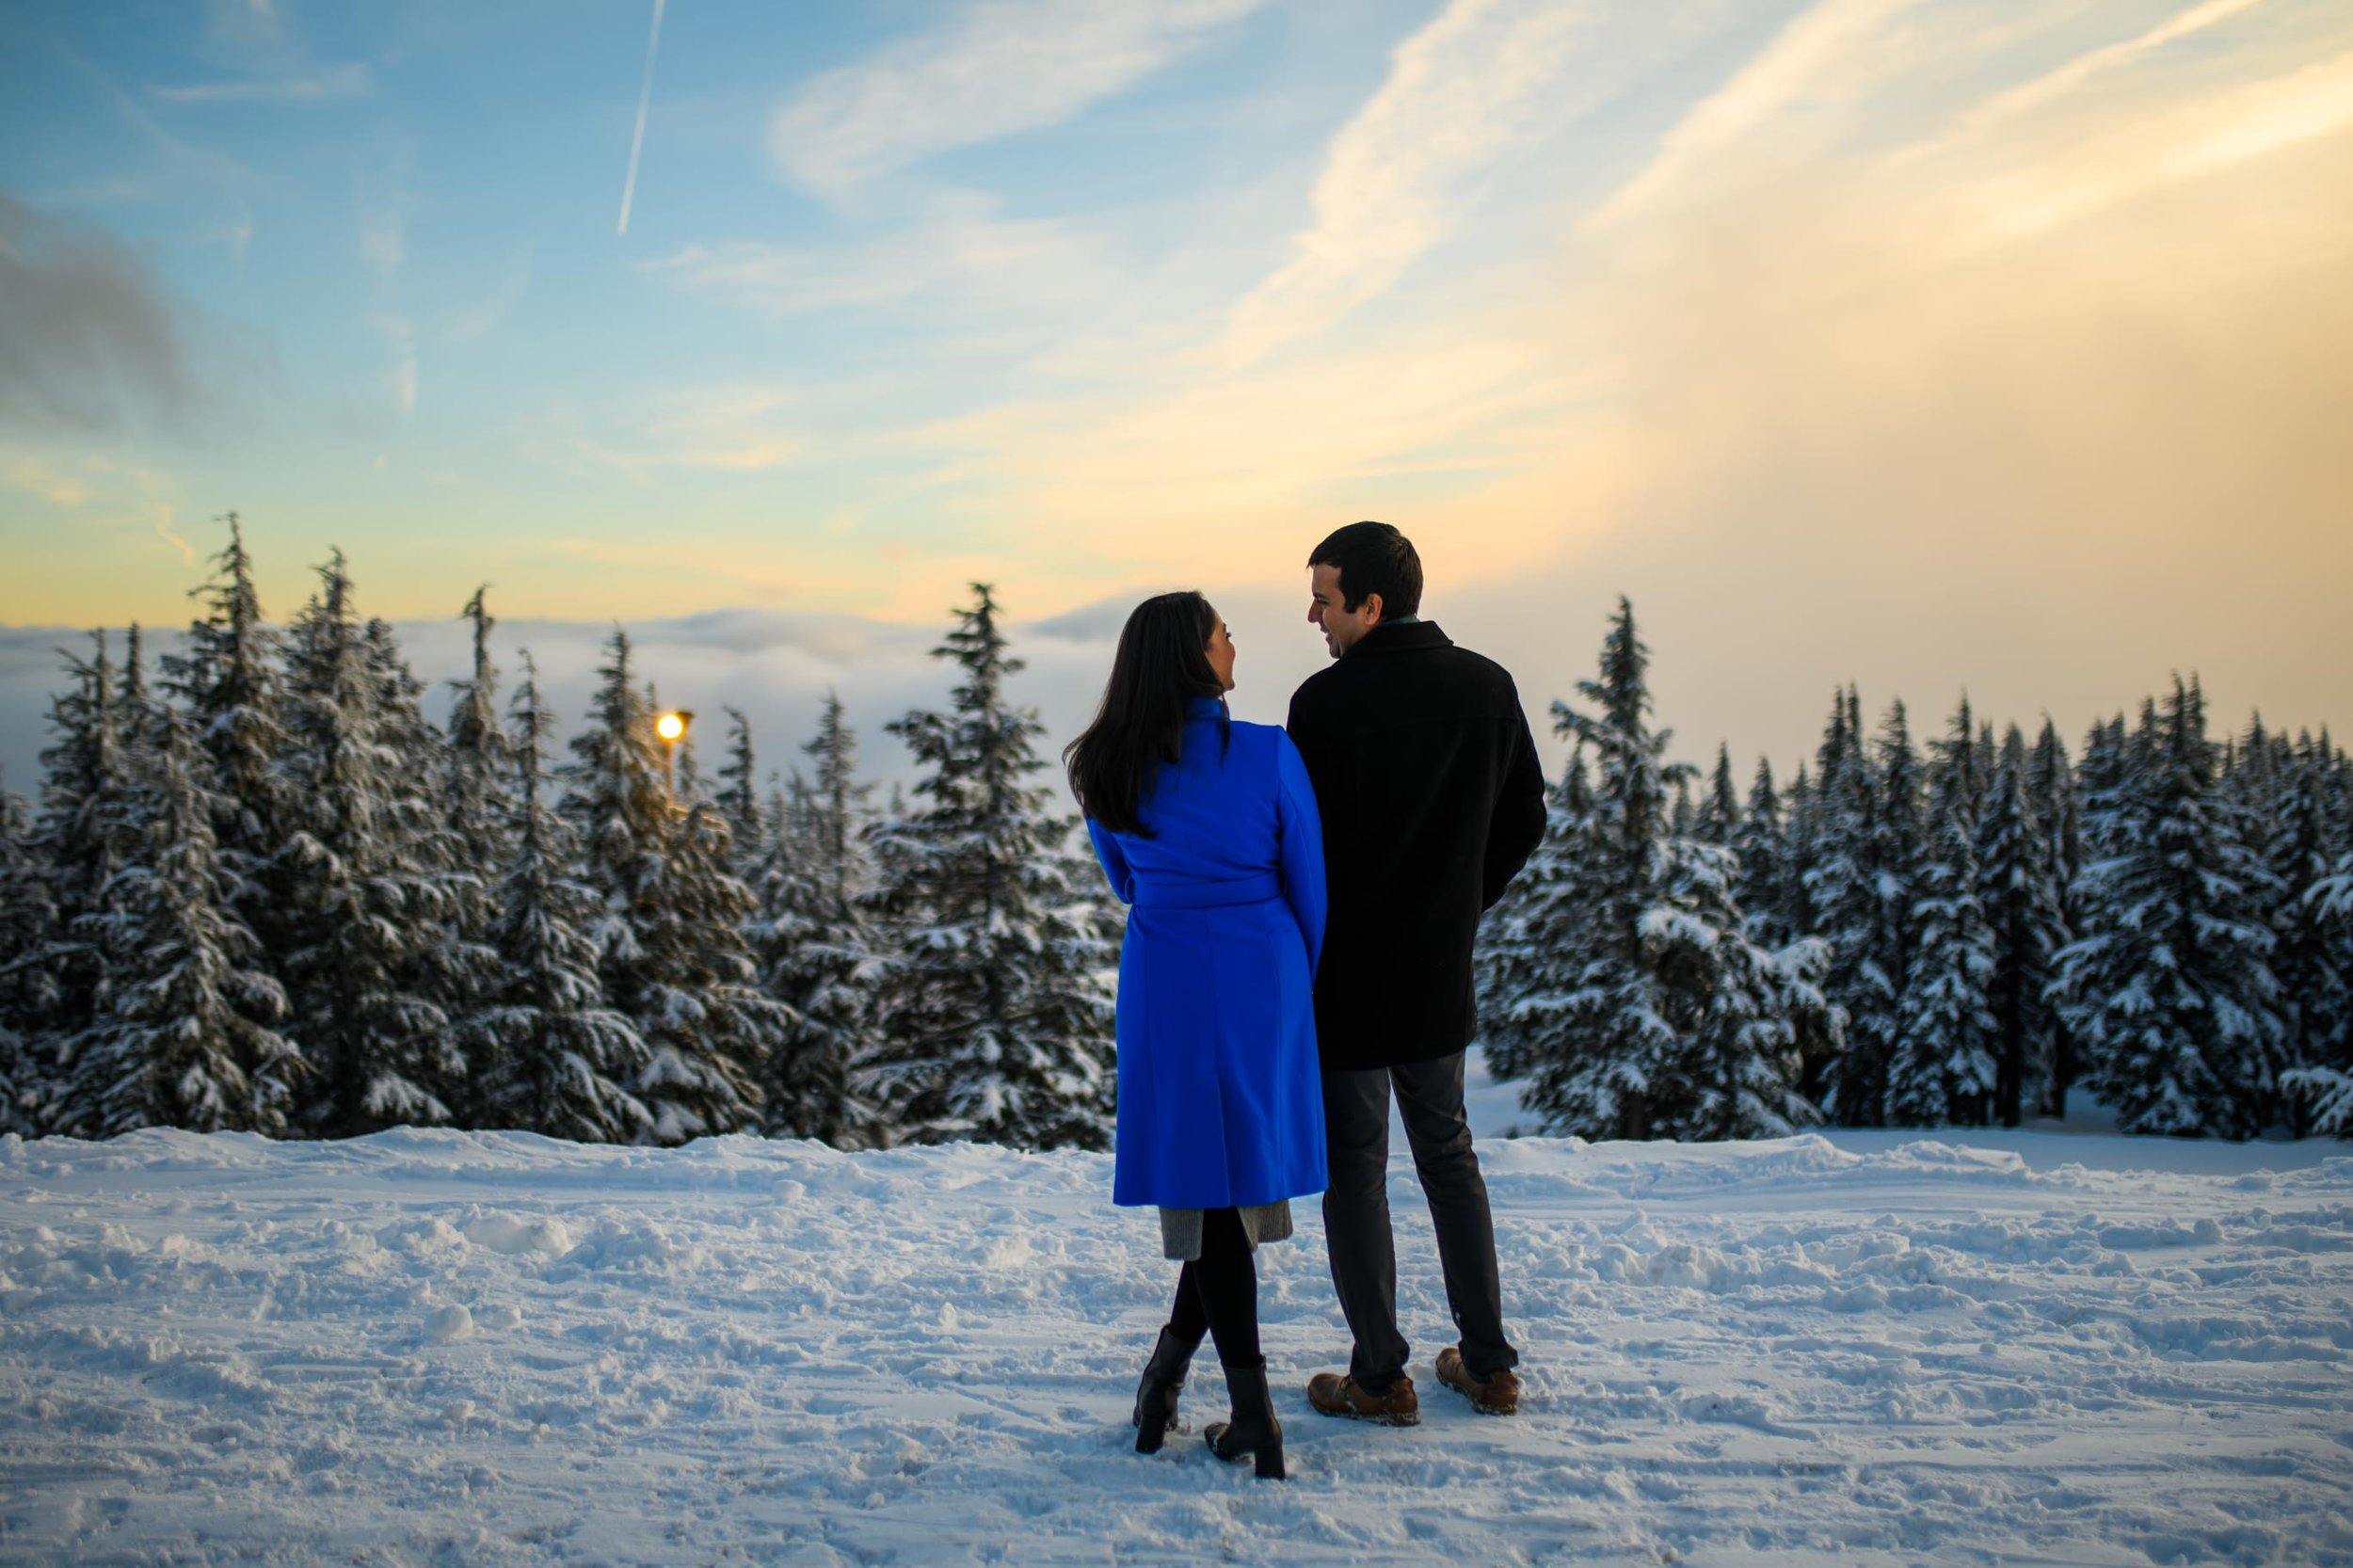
1301 828
1114 861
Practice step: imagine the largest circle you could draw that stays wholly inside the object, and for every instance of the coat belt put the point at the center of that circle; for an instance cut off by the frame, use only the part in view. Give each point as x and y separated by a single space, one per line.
1208 895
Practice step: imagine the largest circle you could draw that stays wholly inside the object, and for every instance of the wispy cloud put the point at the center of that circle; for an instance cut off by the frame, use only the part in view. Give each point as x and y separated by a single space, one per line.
383 237
1807 57
331 85
400 336
480 320
2068 78
958 250
2182 142
1476 85
741 429
1479 101
1002 66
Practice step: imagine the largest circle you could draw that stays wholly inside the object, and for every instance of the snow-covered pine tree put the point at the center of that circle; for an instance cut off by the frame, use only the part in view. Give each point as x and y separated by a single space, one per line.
2053 794
2168 987
184 1036
2313 959
671 951
2018 886
1718 820
1524 960
29 991
227 677
2324 1090
89 830
134 705
995 1019
558 1061
476 843
738 799
1682 817
1762 842
1842 903
817 947
1664 1020
1941 1070
367 877
1893 855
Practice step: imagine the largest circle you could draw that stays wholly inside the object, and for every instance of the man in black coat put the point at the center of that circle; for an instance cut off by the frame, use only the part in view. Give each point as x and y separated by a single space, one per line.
1432 799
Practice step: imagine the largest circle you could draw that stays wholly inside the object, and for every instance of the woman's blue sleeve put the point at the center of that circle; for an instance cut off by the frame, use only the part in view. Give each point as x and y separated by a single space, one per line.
1114 861
1301 827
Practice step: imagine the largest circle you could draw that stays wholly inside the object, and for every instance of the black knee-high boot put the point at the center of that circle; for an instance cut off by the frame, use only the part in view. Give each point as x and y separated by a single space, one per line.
1155 1395
1252 1431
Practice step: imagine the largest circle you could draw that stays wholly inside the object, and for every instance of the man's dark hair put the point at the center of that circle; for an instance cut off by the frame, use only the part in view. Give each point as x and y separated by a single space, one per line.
1373 558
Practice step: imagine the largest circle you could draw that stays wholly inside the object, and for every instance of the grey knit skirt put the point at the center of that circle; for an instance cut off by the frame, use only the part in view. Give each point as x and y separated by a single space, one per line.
1180 1228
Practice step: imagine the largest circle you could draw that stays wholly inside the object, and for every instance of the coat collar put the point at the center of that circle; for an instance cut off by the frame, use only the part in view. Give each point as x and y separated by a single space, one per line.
1414 636
1205 708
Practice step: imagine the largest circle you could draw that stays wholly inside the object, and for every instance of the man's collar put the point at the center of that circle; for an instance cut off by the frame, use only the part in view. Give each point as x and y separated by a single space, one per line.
1403 635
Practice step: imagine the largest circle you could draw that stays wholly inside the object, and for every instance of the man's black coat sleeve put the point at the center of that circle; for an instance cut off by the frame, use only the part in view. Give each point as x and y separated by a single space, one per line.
1518 823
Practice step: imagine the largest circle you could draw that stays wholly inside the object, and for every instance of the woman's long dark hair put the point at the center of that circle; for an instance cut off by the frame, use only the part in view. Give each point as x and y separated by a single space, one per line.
1163 663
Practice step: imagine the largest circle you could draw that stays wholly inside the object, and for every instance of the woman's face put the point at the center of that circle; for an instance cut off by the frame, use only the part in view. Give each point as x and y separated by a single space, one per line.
1221 651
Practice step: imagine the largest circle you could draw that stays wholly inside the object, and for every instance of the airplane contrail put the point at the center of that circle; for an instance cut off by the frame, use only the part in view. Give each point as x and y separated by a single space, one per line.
637 140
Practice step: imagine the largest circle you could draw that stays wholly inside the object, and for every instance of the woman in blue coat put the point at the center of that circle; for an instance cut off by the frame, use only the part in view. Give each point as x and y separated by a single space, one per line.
1207 830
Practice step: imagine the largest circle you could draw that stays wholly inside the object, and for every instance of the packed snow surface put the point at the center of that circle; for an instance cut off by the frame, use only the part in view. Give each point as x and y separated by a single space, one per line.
436 1347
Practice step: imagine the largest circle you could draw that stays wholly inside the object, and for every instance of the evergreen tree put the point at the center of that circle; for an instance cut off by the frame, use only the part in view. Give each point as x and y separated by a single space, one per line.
1843 900
138 718
995 1016
1718 821
365 879
228 683
671 953
2313 956
2052 793
1762 842
817 947
2020 888
1657 1016
2170 988
183 1037
739 799
556 1059
88 831
474 846
28 989
1941 1070
1525 940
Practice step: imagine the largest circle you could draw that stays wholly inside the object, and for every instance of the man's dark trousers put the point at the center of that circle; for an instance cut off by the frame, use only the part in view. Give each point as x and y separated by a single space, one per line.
1356 1214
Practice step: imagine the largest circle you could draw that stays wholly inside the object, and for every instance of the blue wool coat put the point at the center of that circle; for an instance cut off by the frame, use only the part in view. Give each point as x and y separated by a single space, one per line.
1221 1099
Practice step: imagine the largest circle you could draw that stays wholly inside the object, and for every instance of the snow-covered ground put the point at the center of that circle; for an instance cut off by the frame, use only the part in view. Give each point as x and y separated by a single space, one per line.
2028 1348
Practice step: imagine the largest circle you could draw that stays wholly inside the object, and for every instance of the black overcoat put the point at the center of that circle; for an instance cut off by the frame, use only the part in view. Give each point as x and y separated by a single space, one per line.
1432 799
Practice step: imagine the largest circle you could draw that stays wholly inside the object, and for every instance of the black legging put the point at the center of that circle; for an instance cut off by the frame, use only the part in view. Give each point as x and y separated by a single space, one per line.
1218 1293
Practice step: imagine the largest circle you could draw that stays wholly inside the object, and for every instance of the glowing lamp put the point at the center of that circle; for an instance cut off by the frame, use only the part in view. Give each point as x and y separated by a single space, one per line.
672 727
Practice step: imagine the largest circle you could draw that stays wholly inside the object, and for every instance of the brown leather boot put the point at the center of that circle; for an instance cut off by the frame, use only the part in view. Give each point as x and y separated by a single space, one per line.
1497 1394
1337 1394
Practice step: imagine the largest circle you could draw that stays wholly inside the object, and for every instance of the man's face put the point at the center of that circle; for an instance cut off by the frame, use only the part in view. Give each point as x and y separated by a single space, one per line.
1328 609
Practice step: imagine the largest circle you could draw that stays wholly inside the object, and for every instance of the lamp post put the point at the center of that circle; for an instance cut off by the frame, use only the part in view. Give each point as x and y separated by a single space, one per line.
671 727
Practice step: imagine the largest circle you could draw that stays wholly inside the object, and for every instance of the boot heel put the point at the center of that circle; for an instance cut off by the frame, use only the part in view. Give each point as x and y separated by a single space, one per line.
1269 1462
1156 1414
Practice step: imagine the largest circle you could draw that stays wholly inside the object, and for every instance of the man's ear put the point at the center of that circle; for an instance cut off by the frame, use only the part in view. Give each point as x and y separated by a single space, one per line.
1372 609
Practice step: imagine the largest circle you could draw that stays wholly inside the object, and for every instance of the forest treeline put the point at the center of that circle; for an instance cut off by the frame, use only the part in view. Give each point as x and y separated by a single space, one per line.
262 891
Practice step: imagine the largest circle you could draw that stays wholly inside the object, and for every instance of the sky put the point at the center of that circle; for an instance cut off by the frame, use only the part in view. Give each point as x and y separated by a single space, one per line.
1936 346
